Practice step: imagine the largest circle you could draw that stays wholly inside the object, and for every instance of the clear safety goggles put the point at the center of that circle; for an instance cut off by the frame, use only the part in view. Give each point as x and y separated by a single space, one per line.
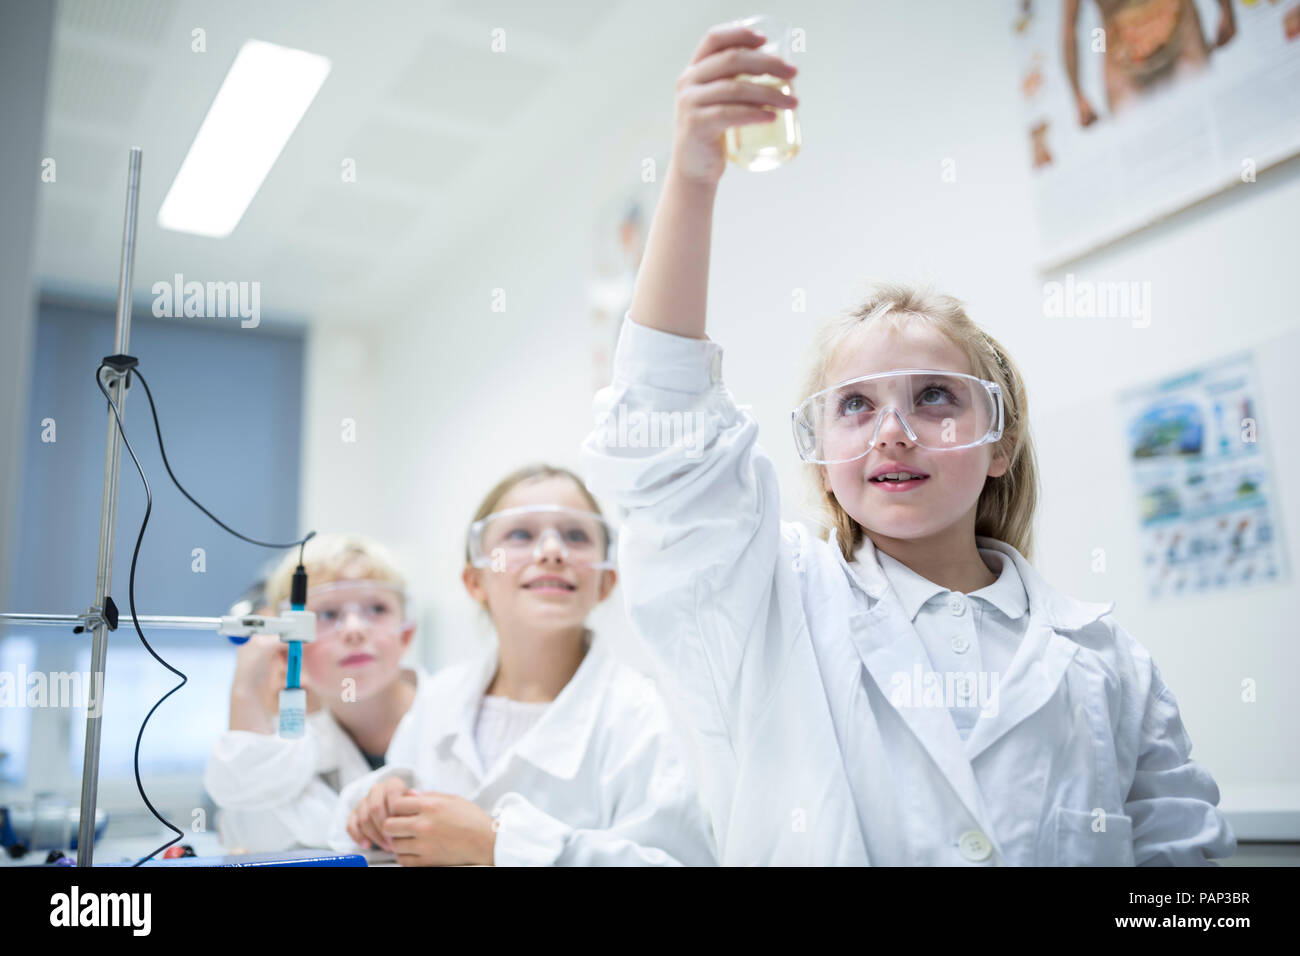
939 411
376 604
517 537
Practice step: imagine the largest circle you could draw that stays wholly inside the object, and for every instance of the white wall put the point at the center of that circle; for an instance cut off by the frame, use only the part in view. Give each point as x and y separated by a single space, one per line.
453 395
24 66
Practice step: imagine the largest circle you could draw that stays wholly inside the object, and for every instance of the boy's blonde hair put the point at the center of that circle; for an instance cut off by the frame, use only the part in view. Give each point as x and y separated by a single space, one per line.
334 557
1006 504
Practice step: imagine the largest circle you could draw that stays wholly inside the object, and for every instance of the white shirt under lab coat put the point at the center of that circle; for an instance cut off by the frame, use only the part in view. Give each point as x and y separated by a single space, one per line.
277 794
599 780
972 637
789 666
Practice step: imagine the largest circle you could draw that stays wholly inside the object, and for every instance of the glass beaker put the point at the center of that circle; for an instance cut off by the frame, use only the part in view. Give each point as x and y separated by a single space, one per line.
763 146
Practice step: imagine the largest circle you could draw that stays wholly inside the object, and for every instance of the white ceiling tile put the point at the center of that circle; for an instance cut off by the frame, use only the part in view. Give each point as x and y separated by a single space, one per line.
305 264
348 211
137 21
65 222
397 154
562 22
83 163
97 87
470 85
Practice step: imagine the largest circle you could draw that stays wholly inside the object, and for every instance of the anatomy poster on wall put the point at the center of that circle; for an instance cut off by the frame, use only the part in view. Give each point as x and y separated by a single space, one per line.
1136 108
1206 494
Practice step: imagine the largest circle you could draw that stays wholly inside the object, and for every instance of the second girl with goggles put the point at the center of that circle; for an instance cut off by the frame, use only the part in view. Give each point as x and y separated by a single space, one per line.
544 749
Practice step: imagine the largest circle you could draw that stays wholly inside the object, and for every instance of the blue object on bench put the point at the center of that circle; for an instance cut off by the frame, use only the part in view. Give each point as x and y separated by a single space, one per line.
283 858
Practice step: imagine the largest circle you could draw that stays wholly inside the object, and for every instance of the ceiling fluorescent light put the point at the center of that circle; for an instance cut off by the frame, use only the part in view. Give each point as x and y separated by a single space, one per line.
259 105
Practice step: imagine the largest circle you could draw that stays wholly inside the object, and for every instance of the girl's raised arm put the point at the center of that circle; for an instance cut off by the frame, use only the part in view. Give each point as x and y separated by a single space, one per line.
672 284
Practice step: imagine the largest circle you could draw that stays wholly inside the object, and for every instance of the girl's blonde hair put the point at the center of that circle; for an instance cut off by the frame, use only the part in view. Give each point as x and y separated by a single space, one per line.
334 557
1006 504
527 473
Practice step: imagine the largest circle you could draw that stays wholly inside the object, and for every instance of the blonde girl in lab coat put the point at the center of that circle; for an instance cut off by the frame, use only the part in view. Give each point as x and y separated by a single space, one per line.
906 689
543 750
277 794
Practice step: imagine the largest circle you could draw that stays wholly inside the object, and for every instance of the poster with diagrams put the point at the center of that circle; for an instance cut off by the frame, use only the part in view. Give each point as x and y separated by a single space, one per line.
1198 447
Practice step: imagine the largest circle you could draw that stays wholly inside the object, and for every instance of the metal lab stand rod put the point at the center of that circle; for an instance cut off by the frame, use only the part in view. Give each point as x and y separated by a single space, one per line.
116 385
88 621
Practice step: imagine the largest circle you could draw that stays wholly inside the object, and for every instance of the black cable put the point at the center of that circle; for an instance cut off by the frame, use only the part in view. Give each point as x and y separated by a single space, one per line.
135 620
301 543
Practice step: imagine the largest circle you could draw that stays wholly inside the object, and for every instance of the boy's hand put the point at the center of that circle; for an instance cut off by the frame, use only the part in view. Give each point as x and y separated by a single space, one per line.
366 822
260 666
710 99
439 829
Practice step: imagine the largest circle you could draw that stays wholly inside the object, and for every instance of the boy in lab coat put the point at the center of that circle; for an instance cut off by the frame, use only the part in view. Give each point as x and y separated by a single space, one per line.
277 794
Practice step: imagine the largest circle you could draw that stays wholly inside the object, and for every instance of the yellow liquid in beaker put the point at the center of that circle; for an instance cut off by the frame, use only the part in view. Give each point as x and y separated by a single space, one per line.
764 146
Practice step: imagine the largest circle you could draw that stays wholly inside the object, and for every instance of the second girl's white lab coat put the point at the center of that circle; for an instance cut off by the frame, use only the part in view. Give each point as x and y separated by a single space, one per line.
599 780
786 662
277 794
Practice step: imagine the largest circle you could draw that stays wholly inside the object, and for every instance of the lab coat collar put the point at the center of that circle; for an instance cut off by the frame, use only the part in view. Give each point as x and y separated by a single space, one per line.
912 589
1036 670
1007 593
559 740
892 652
1058 610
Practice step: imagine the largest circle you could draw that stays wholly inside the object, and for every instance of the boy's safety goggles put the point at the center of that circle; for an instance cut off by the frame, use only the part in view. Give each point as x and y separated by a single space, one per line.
377 604
518 537
940 411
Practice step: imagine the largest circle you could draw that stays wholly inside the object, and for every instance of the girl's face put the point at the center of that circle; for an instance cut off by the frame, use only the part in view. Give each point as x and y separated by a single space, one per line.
361 635
947 495
549 593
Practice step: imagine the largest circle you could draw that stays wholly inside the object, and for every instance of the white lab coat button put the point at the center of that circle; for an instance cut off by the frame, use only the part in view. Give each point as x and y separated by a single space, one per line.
974 846
957 604
960 645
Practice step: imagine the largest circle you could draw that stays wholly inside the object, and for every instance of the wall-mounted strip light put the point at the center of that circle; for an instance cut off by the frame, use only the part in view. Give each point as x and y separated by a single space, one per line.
259 105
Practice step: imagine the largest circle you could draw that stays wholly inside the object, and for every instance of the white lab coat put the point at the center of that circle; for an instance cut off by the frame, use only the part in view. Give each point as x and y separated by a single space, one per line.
599 780
785 661
277 794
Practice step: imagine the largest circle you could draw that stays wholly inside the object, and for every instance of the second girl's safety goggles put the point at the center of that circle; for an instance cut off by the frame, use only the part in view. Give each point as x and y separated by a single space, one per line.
377 604
940 411
519 536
